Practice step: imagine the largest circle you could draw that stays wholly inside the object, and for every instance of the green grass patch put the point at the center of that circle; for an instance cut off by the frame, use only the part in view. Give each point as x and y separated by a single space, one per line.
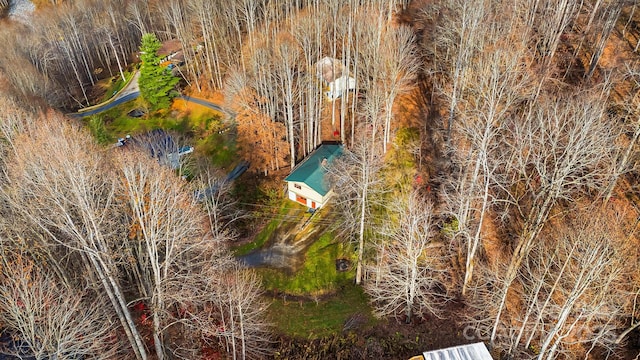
115 84
118 122
286 208
219 148
310 319
259 240
202 127
318 274
201 117
98 129
401 160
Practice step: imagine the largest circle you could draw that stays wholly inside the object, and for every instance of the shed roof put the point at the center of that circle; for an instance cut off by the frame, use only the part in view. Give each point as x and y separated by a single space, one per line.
477 351
329 69
311 172
169 47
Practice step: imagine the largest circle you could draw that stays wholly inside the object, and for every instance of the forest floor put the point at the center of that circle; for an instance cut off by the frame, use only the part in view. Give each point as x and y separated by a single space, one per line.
380 339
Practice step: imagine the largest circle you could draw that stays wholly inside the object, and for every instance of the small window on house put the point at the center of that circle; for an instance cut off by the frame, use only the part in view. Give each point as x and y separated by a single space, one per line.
297 186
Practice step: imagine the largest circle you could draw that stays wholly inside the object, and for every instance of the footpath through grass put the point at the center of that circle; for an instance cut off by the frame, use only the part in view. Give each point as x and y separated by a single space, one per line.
317 300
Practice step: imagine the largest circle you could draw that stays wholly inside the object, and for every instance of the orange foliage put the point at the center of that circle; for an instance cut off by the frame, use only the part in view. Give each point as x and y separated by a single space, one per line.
262 141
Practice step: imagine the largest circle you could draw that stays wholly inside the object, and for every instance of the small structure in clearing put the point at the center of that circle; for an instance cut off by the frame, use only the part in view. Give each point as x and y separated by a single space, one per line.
169 48
136 113
306 183
333 73
171 55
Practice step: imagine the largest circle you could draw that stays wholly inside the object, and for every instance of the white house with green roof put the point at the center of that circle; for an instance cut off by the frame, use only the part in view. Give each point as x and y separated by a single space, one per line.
306 183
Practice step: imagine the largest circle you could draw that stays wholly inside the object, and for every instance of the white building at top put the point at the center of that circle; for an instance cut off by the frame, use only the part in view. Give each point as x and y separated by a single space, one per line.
333 73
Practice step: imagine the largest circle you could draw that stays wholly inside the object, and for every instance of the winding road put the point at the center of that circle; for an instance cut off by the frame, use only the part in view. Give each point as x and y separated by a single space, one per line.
131 92
106 106
205 103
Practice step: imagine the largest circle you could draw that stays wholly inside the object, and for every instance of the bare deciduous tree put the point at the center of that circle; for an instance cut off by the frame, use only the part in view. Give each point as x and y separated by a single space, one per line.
409 271
110 221
242 313
398 70
356 176
560 151
165 223
605 26
457 36
215 193
630 108
60 184
52 321
497 83
286 59
259 134
574 278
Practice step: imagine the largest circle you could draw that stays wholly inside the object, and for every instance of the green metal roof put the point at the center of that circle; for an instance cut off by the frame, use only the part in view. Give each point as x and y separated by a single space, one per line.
311 171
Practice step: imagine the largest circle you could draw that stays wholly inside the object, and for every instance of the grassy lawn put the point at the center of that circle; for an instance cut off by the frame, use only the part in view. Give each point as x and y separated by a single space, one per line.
202 127
287 208
337 300
316 300
310 319
318 275
220 148
115 84
213 138
259 240
119 123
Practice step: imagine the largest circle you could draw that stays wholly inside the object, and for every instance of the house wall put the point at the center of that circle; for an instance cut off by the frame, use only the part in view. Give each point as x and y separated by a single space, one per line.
327 196
311 196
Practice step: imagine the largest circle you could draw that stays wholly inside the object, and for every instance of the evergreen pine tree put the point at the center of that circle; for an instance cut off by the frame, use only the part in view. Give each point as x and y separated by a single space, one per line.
157 84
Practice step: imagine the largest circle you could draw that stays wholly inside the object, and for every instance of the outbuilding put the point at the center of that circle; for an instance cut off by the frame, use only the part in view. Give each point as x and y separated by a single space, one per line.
306 184
333 73
477 351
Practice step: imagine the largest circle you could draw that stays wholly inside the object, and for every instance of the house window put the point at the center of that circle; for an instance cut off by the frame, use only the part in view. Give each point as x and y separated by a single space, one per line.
297 186
301 200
